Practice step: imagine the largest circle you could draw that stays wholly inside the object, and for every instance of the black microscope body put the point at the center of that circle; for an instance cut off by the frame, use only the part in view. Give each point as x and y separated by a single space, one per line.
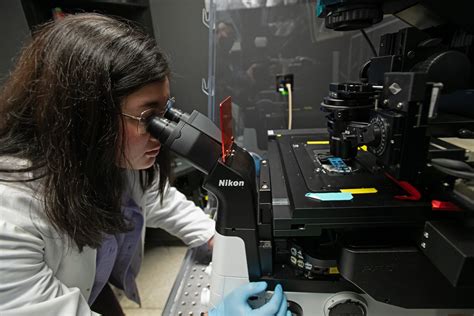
406 237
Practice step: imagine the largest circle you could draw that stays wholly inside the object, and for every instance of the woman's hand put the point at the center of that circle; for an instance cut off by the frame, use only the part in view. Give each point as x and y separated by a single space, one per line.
235 303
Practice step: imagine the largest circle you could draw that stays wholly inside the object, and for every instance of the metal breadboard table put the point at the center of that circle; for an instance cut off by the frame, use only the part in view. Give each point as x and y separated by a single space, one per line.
185 295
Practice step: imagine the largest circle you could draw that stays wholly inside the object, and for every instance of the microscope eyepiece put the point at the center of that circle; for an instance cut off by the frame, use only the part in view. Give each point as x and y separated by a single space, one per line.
160 128
174 114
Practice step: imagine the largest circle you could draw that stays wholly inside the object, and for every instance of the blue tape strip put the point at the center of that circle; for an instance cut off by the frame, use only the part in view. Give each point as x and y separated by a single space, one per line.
330 196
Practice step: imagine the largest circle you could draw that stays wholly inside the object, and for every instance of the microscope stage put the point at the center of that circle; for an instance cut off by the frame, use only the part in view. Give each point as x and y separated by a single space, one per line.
306 168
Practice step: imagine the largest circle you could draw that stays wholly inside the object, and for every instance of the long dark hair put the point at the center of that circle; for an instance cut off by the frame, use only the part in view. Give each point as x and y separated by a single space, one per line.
58 109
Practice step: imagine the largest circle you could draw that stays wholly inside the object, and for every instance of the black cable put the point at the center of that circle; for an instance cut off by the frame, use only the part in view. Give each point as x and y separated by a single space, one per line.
455 173
369 42
452 164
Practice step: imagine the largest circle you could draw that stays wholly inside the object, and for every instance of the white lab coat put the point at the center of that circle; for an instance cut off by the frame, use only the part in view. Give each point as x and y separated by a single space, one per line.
40 274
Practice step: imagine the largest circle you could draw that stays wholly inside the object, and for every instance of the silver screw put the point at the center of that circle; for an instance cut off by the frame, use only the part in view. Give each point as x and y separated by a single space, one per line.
399 105
426 235
385 101
264 162
264 186
423 245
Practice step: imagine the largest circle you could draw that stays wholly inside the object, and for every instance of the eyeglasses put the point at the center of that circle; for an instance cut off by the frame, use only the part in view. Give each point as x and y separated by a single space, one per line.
143 118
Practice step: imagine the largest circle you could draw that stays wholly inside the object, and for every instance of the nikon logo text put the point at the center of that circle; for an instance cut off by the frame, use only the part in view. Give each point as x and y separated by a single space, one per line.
230 183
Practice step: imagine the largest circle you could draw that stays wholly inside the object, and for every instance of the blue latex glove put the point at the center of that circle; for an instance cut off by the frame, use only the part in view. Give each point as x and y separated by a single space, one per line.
235 303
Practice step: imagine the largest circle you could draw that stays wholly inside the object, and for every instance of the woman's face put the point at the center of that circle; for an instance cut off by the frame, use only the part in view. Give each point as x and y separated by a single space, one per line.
141 149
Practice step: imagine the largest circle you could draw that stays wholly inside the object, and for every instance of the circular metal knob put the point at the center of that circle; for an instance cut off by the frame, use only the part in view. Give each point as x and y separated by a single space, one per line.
345 303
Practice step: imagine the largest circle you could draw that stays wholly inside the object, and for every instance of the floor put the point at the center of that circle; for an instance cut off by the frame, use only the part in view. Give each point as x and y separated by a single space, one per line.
155 280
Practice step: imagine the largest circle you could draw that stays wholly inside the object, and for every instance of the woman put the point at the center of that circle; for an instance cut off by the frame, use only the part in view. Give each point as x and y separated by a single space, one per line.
80 178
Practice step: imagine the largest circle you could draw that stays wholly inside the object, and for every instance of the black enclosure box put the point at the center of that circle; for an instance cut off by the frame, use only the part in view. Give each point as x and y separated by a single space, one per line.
451 249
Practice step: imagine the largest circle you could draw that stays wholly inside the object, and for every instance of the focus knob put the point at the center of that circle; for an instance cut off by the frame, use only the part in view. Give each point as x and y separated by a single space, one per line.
345 303
348 308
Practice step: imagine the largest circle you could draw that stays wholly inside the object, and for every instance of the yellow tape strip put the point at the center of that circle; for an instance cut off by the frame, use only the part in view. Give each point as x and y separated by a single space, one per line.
317 142
333 270
360 190
363 147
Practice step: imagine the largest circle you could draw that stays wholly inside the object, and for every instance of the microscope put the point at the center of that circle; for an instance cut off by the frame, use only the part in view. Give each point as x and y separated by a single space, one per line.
366 218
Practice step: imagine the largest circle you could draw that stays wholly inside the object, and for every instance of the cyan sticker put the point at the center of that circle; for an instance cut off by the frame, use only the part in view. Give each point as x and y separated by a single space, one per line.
330 196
